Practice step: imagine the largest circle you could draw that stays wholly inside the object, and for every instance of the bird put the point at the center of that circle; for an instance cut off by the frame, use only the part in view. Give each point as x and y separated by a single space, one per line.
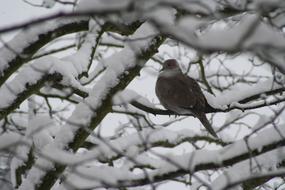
181 94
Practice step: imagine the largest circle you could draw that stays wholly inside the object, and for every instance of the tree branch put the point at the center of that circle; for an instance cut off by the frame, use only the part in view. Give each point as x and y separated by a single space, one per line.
81 133
210 109
196 161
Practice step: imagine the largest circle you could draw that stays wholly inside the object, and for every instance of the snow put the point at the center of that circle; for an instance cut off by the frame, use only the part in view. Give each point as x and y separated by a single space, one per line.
268 101
244 31
257 4
69 67
240 171
211 38
273 36
49 3
233 115
81 58
61 93
39 133
99 67
165 15
31 180
127 96
234 95
137 42
32 73
70 71
219 35
92 177
190 162
51 151
85 111
25 38
10 140
105 151
101 5
21 151
41 129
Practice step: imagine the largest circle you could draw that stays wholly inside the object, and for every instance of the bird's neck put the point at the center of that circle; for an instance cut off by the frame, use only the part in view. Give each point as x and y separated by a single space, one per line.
170 73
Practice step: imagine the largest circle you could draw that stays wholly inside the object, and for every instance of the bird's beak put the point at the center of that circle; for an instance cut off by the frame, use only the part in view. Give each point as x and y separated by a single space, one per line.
161 69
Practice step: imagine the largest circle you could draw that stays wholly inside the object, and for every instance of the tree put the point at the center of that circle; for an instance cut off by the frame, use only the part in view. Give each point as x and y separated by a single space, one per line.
234 49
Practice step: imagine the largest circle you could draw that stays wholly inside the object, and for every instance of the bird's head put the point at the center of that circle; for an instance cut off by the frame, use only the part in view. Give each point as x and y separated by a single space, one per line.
170 65
170 68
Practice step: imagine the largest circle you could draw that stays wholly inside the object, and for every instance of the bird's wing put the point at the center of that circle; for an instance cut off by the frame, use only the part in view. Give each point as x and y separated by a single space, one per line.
197 92
174 93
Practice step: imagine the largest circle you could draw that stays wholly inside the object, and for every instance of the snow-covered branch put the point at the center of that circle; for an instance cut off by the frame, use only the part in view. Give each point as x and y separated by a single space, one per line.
254 96
87 115
22 47
113 135
169 166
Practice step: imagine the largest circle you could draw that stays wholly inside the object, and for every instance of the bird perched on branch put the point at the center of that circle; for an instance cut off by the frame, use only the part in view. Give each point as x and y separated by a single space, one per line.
181 93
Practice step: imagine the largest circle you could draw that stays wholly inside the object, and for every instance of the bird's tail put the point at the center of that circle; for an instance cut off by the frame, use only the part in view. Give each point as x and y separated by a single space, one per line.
202 117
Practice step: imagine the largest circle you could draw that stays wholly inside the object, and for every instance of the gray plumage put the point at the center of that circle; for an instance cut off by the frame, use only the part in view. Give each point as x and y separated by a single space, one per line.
181 93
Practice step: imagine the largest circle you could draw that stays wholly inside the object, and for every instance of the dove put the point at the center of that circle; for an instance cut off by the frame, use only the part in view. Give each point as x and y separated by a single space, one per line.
181 94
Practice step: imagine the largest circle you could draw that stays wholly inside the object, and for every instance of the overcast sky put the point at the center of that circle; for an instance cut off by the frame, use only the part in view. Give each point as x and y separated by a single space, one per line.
17 11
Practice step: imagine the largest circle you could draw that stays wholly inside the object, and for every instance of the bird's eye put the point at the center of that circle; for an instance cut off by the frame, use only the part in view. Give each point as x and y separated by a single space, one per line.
170 64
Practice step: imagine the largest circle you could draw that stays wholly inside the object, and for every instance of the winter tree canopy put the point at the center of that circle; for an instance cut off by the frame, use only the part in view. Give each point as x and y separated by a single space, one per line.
78 108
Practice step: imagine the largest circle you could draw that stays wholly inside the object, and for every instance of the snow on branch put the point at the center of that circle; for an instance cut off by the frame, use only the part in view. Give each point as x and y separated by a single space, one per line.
169 166
65 71
9 140
20 50
240 173
127 96
205 25
124 66
133 144
251 97
208 36
235 95
24 45
48 69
